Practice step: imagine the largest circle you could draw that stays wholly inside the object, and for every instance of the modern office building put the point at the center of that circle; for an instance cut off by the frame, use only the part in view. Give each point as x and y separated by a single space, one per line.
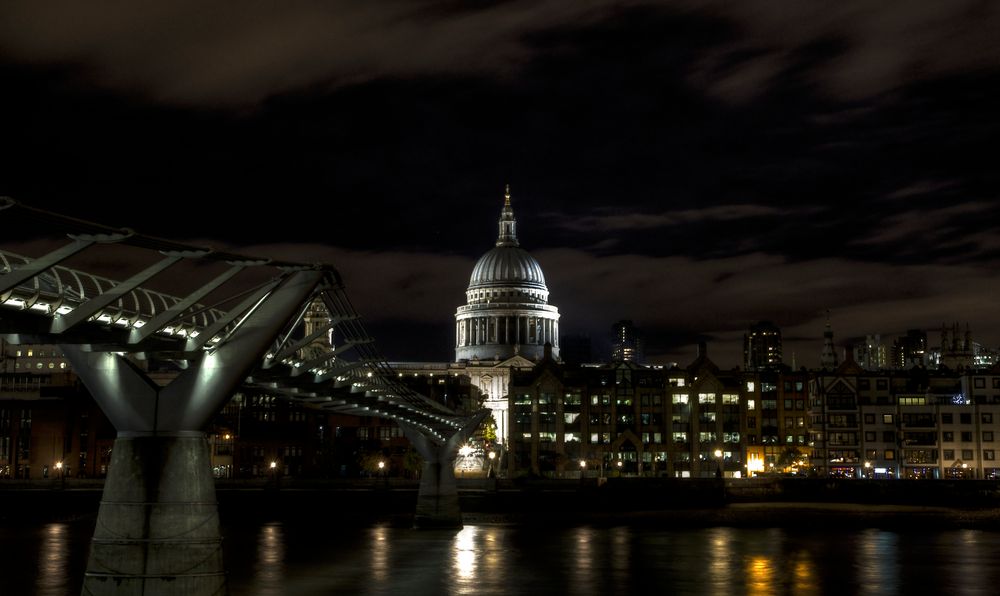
626 343
870 353
910 350
762 347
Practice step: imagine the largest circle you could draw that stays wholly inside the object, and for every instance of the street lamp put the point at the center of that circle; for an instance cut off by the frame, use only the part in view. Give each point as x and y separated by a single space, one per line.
619 464
493 456
718 463
62 478
868 469
382 473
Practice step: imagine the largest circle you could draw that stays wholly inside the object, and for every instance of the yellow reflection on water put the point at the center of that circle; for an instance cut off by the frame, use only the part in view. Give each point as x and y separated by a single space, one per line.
760 575
269 576
804 574
52 561
381 546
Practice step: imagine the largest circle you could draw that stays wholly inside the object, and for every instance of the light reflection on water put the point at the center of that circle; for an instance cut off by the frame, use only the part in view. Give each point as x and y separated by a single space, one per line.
381 555
969 574
53 561
720 556
804 574
269 570
581 576
876 564
274 559
465 552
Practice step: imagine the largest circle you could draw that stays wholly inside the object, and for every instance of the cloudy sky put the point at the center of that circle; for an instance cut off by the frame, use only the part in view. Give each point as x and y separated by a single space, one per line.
694 166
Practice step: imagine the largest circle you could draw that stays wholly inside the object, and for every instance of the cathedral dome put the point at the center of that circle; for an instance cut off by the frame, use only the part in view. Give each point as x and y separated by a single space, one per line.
507 311
507 266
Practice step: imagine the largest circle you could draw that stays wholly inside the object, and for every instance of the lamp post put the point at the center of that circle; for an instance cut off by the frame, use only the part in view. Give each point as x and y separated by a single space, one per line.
274 472
583 469
619 464
493 456
718 463
868 470
59 470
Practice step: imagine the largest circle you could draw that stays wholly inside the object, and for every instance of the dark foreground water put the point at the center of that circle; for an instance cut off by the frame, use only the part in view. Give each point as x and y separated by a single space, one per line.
272 559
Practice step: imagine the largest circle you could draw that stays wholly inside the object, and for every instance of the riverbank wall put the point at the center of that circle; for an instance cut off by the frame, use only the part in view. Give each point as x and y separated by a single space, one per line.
774 501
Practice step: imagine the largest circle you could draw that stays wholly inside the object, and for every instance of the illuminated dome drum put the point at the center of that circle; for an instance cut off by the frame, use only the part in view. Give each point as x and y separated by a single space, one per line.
507 310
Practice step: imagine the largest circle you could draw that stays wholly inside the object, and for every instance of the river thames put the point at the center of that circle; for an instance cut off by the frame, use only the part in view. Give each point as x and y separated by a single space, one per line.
279 559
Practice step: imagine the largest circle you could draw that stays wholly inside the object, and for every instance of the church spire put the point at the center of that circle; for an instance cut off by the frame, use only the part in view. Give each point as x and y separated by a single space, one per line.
508 232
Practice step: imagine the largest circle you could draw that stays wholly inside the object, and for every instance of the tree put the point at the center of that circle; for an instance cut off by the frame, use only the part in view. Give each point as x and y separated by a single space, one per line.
413 464
490 430
369 462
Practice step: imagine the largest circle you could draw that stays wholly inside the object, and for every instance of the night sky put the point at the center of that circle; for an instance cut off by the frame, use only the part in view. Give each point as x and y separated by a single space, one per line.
693 167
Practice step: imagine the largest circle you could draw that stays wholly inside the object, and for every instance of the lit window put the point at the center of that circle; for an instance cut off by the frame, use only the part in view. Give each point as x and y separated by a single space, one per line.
750 386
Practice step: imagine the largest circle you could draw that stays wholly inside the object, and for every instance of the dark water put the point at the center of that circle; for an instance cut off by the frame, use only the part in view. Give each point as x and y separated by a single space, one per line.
274 559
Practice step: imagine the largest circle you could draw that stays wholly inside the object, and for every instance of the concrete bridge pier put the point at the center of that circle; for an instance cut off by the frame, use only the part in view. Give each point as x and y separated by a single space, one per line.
437 498
158 526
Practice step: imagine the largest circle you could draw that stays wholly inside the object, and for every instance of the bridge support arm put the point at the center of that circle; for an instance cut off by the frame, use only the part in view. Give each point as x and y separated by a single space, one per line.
437 498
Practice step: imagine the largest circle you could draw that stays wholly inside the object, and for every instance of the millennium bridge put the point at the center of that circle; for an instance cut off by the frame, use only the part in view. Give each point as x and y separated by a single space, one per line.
240 324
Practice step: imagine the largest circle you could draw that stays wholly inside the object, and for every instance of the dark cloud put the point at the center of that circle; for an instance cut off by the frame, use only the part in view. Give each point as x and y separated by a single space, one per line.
615 222
694 167
186 53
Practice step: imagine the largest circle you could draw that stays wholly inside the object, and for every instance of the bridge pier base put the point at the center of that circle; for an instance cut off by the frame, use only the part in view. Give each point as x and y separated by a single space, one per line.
437 499
158 526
